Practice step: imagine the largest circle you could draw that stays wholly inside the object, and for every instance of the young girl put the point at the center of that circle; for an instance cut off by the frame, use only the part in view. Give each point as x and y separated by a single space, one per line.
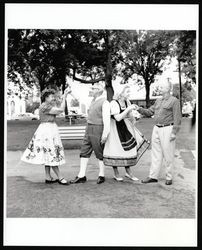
45 146
121 146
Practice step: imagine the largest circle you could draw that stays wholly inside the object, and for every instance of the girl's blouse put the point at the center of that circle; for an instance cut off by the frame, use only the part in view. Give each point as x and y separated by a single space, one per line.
115 108
44 110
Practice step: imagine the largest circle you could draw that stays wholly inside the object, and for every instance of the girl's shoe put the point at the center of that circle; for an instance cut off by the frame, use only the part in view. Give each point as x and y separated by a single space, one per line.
133 178
51 181
63 181
118 178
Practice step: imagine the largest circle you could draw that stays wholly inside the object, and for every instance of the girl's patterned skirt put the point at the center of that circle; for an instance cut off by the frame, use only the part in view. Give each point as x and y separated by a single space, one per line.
45 146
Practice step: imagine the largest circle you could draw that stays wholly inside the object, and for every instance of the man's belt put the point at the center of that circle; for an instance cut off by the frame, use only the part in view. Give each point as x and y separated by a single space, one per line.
164 125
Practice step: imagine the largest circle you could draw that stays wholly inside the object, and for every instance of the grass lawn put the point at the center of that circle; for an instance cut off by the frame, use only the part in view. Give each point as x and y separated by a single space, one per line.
19 133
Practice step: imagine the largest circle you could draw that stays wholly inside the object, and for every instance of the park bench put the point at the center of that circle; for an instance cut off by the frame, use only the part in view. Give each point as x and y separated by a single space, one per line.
73 117
72 133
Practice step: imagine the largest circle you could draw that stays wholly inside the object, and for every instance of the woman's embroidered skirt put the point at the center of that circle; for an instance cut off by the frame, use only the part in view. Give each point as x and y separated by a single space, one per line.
45 146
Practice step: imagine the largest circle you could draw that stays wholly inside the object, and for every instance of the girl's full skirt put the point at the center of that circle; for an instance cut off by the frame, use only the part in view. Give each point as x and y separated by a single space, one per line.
45 146
114 154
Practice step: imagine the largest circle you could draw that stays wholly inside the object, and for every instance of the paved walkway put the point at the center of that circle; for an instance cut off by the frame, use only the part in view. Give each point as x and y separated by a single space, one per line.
29 196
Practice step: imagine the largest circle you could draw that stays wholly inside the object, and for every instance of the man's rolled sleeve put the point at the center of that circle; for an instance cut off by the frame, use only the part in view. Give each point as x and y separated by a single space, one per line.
177 116
147 112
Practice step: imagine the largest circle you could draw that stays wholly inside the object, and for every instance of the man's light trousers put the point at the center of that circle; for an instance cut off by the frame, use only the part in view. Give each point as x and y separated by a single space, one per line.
162 149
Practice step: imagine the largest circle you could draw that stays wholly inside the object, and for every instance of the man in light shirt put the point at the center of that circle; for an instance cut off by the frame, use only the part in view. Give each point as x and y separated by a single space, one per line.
167 117
97 131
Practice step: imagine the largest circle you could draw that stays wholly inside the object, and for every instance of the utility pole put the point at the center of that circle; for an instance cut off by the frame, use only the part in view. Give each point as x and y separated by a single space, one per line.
180 84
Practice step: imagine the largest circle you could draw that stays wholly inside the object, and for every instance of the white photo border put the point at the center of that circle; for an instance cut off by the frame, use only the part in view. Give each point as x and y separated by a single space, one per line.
87 232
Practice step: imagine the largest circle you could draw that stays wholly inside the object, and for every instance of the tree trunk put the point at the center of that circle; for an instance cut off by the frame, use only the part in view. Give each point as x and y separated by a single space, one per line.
108 70
147 88
66 110
64 85
108 80
110 93
180 84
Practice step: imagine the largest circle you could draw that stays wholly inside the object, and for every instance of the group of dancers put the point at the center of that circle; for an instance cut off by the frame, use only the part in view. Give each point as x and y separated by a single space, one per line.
110 132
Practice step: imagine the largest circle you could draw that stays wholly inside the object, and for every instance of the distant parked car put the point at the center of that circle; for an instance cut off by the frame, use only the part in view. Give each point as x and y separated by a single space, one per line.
187 110
61 114
26 116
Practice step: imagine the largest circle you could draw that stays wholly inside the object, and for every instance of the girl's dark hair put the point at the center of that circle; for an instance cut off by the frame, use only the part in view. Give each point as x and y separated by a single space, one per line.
45 93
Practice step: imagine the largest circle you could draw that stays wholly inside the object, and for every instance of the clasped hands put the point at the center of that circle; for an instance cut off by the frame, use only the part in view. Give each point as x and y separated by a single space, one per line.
133 107
136 107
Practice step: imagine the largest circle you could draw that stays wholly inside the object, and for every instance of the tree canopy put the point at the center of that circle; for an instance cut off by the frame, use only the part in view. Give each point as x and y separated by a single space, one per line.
184 48
47 57
145 56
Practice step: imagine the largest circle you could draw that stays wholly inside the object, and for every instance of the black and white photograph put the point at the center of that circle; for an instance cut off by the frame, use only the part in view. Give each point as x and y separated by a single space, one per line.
101 125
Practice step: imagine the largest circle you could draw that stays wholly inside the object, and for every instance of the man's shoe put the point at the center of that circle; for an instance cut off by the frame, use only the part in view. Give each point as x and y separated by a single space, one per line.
149 180
100 179
79 180
168 182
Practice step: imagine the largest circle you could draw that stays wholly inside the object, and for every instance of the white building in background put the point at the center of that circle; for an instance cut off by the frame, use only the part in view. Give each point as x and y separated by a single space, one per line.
15 105
16 99
81 92
15 102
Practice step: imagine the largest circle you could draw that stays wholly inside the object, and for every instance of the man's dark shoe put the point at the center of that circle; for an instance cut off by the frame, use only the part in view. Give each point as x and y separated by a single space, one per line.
79 180
100 179
168 182
149 180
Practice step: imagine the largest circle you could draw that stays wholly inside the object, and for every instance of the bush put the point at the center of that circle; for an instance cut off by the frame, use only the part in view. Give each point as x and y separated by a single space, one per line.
31 107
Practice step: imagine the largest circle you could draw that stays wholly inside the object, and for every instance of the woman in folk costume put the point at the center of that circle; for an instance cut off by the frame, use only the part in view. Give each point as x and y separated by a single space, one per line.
121 146
45 146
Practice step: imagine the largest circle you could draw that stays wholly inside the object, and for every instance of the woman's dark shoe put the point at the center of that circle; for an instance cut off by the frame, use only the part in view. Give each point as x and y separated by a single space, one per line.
79 180
149 180
51 181
100 179
63 182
